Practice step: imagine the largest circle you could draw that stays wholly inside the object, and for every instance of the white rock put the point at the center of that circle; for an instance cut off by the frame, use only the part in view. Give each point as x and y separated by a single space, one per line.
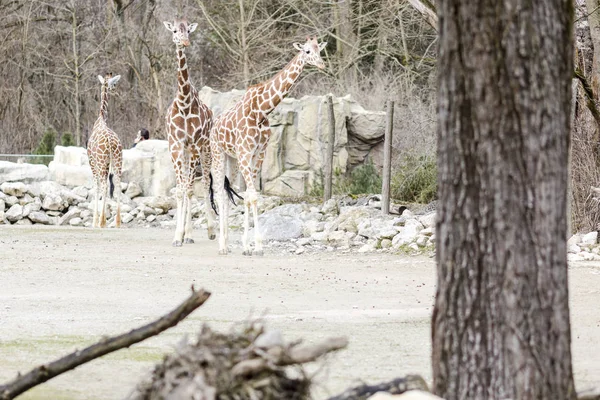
427 231
574 257
299 250
54 202
11 200
75 221
74 212
81 191
428 220
133 190
85 214
319 236
339 238
303 241
573 249
330 207
150 218
407 214
413 246
311 227
149 165
281 223
590 238
422 240
23 221
408 234
23 172
575 239
14 213
126 218
2 205
26 199
366 248
39 217
14 188
386 244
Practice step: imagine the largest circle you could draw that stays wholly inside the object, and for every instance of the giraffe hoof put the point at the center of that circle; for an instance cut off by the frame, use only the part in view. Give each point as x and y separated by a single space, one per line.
223 252
177 243
247 252
188 241
212 236
258 253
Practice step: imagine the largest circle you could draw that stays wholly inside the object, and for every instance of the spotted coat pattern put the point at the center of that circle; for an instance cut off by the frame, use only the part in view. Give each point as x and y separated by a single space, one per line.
188 124
105 154
243 132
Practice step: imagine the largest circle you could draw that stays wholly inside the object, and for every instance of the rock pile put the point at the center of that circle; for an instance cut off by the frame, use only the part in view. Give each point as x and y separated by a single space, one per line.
342 223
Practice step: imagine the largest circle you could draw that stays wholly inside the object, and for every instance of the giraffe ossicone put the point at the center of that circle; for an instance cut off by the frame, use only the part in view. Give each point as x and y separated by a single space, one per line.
105 154
243 132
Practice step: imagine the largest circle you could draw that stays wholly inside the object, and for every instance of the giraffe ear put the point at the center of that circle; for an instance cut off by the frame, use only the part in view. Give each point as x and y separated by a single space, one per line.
168 25
298 46
113 81
101 79
192 27
322 45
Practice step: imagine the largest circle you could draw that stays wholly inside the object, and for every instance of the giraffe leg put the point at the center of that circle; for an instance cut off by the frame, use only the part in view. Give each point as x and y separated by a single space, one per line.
104 181
178 239
188 227
117 195
95 215
250 200
218 171
205 159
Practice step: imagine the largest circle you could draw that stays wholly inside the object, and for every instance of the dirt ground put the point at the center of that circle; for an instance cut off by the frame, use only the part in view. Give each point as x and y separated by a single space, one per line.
62 289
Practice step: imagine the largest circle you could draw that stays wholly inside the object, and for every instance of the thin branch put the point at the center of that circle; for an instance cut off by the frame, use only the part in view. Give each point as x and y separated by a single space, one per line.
397 386
46 372
427 9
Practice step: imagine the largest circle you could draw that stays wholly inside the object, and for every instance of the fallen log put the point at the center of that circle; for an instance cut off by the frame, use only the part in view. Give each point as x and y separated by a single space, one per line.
48 371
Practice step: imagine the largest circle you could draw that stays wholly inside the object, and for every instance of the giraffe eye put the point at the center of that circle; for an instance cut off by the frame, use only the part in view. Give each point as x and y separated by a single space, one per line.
307 51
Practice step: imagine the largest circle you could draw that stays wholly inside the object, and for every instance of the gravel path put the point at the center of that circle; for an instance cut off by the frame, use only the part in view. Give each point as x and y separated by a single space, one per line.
63 288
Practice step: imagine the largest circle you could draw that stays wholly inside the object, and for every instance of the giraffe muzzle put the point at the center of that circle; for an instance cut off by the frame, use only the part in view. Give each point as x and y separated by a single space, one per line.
185 43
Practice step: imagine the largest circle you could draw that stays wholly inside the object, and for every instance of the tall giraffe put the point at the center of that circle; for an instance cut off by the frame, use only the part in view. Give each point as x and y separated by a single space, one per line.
188 129
243 132
105 153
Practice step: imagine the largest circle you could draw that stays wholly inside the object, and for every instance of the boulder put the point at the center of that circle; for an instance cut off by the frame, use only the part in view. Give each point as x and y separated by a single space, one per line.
23 172
290 183
133 190
281 223
56 189
428 220
75 221
587 239
2 205
149 165
408 234
54 202
71 167
14 213
73 212
17 189
39 217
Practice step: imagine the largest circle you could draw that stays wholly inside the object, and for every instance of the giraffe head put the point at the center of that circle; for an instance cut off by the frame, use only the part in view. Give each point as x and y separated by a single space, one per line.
109 81
181 32
310 52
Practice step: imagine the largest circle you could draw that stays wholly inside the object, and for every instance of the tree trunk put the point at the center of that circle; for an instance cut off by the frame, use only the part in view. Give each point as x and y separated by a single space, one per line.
593 9
500 326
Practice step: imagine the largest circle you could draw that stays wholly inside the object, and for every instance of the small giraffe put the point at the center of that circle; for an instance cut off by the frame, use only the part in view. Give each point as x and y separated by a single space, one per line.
188 129
243 132
105 153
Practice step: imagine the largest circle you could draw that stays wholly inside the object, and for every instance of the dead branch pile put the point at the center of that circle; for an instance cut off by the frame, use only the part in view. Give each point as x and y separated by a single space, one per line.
247 365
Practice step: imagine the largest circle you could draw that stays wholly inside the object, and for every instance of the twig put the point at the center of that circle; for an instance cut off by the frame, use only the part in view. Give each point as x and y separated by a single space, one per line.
46 372
397 386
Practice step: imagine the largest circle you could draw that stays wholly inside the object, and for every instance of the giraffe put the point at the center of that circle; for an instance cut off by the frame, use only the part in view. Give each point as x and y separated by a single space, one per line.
188 124
105 153
243 132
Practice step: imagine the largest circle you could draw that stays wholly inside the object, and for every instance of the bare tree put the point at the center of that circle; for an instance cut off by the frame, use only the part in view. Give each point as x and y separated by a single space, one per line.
501 324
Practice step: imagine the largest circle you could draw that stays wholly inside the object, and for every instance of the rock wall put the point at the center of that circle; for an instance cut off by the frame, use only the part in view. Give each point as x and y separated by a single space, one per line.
295 155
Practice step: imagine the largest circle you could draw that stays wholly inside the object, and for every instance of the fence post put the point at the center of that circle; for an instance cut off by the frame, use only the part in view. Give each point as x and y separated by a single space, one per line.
387 159
329 155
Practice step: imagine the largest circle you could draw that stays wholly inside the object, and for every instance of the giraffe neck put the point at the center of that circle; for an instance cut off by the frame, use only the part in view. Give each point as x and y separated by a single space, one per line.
104 102
183 80
280 85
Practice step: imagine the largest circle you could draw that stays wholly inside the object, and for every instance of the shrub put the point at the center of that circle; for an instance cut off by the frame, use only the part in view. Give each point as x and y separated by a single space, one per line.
415 180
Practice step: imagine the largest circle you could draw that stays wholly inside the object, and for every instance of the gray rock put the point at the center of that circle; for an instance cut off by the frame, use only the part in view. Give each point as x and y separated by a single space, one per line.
14 213
312 226
39 217
23 221
14 188
11 200
386 244
26 199
150 218
330 207
85 214
2 205
54 202
422 240
81 191
428 220
281 223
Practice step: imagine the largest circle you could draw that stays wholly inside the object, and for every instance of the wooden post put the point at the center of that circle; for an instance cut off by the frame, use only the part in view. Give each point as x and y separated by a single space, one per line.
387 159
329 155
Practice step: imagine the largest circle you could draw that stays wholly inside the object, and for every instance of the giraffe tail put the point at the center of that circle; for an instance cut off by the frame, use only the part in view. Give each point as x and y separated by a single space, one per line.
212 195
111 190
231 192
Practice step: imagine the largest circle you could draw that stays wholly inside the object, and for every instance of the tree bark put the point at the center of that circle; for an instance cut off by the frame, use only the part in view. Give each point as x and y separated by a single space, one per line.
501 324
593 9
